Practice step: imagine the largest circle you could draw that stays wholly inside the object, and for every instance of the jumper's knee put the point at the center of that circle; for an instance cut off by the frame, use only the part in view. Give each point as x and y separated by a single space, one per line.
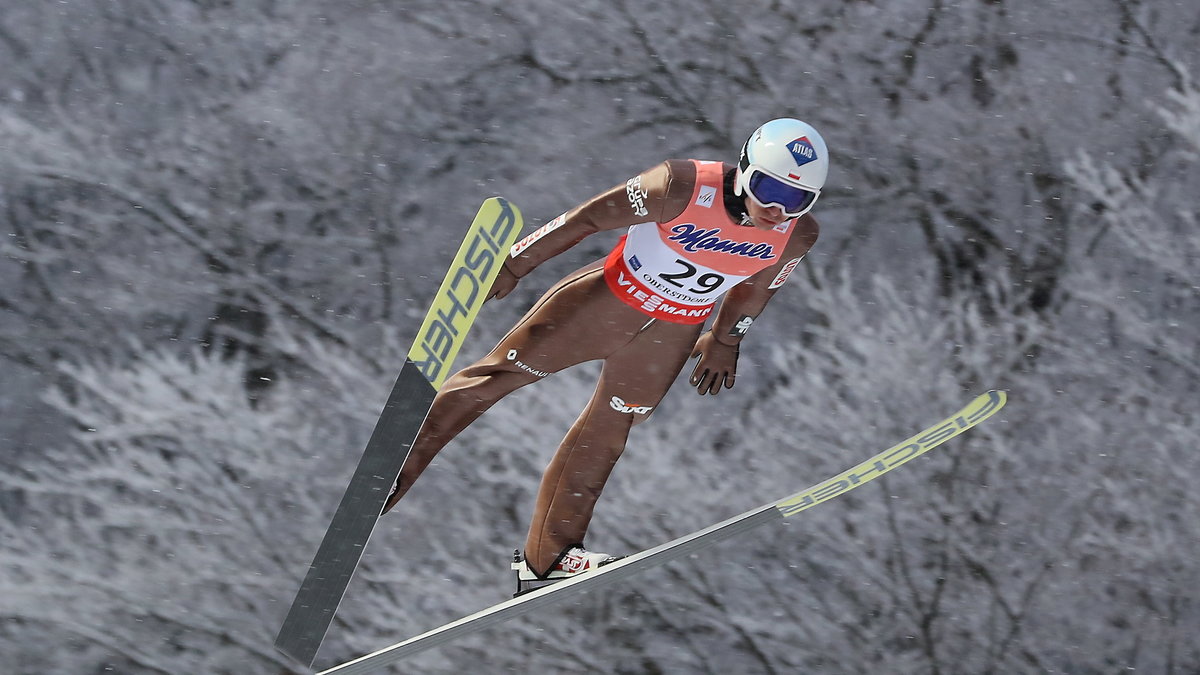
477 389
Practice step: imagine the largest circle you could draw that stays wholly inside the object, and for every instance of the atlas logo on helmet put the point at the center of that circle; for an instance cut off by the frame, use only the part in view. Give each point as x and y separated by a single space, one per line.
802 149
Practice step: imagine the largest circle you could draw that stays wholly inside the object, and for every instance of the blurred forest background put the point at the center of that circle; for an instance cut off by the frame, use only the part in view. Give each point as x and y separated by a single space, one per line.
222 219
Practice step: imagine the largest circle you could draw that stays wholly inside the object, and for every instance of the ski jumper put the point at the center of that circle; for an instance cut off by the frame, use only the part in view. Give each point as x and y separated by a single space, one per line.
640 310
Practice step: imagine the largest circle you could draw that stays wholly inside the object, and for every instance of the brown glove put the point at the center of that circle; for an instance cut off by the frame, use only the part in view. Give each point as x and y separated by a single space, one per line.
717 364
504 283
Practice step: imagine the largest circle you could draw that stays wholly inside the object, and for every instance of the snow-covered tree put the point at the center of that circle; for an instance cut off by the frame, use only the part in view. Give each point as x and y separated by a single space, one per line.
221 219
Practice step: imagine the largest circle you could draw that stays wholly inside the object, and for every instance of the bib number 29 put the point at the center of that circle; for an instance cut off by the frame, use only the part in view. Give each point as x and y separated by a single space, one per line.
705 283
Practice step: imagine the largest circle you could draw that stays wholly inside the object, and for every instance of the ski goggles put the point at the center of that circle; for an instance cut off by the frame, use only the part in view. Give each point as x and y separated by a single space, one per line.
768 191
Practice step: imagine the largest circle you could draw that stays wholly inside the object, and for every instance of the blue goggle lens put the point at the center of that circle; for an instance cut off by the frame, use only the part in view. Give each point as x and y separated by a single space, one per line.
769 190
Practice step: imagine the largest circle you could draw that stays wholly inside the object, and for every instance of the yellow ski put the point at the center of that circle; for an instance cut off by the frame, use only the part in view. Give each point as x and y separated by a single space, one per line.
442 334
980 409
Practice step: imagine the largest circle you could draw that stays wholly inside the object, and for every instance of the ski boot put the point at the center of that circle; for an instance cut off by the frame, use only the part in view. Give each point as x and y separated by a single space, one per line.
573 561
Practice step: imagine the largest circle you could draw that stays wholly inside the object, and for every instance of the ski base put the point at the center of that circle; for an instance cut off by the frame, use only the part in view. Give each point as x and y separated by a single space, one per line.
977 411
443 331
354 520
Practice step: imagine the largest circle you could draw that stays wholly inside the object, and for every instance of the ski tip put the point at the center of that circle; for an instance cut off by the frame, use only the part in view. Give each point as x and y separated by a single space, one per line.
505 205
987 403
982 407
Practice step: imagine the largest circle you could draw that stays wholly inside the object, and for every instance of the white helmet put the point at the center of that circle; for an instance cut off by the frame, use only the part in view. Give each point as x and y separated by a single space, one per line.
784 164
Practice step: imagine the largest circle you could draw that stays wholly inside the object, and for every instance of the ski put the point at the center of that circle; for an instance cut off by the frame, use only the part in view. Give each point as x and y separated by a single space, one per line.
426 367
983 407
